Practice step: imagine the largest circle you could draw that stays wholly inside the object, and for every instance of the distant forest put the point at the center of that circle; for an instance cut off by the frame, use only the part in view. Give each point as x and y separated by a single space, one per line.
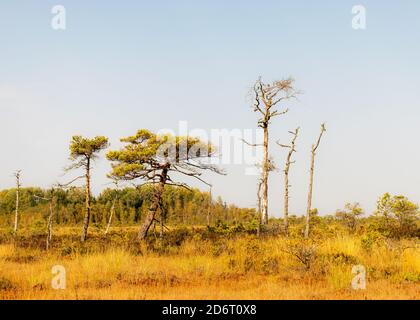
394 217
130 205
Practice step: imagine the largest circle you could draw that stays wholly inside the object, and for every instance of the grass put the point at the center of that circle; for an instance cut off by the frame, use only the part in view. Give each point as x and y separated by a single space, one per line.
223 267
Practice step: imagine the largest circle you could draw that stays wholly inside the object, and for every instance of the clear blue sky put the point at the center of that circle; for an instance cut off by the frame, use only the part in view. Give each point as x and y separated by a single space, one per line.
125 65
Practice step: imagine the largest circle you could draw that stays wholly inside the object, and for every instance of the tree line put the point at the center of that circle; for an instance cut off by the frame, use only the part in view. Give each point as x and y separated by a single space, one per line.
157 165
127 206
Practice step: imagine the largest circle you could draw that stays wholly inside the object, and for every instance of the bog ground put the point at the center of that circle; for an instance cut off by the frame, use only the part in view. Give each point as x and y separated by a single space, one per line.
193 263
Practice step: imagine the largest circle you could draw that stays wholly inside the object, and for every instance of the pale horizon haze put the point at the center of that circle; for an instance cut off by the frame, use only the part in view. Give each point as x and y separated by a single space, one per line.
126 65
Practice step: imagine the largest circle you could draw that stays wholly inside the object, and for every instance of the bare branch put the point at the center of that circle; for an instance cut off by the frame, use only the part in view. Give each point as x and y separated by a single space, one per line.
61 185
323 129
277 113
252 144
287 97
283 145
181 185
41 198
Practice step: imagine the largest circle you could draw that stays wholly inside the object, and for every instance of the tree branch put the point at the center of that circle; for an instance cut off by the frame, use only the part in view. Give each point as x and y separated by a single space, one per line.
319 138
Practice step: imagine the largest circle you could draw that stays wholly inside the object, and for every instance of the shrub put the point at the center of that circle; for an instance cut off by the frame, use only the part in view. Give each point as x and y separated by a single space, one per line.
370 239
304 251
219 247
6 284
412 276
340 258
270 265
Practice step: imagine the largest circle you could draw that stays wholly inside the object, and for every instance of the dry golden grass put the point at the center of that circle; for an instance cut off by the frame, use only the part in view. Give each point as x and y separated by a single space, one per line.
240 268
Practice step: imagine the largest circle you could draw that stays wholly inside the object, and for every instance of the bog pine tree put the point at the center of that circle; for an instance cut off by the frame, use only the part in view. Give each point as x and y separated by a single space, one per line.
156 159
82 153
266 97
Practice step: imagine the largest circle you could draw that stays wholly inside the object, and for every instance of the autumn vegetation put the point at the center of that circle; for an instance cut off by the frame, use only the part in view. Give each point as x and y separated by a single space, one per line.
150 235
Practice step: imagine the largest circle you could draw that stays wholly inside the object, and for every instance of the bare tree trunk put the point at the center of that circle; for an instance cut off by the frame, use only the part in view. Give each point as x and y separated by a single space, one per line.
286 195
153 207
311 180
209 208
162 219
286 203
259 207
16 211
111 214
88 202
50 223
266 97
265 168
161 226
17 175
309 203
292 148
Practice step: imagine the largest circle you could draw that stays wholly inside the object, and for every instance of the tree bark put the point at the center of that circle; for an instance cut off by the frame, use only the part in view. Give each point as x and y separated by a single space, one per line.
309 204
266 168
153 207
259 208
88 203
161 227
162 219
111 214
311 180
17 211
50 223
289 162
17 175
209 208
286 201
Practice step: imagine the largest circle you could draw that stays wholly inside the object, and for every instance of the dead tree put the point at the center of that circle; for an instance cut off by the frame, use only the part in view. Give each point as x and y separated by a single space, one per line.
292 149
49 227
112 211
259 206
111 214
210 205
50 217
266 97
311 180
17 175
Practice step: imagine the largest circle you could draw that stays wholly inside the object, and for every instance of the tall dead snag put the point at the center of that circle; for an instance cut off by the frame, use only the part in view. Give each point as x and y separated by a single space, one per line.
292 149
82 152
112 211
266 97
259 206
311 180
50 217
17 175
210 206
153 158
111 215
49 226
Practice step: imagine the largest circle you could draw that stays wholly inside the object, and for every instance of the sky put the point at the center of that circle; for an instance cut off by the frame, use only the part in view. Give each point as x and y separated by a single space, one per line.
125 65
